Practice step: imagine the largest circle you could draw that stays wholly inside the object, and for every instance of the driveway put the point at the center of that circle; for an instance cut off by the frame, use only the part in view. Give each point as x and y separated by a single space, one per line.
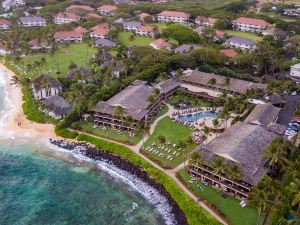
286 115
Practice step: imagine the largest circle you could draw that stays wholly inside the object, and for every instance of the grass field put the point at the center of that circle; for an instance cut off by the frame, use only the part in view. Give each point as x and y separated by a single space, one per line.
228 206
124 39
76 53
173 133
108 133
254 37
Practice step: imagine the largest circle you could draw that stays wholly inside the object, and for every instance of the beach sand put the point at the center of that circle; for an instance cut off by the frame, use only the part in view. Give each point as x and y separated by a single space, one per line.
16 121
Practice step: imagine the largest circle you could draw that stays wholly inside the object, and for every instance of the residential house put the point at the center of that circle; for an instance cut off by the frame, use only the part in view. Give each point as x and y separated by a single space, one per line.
37 44
144 17
186 48
230 53
173 16
68 36
118 69
295 70
107 10
79 73
93 15
4 24
145 30
32 21
205 21
134 102
276 100
241 43
9 4
243 148
131 25
4 51
160 44
80 30
291 12
45 86
102 42
99 31
64 18
199 29
80 8
250 25
220 36
277 33
57 106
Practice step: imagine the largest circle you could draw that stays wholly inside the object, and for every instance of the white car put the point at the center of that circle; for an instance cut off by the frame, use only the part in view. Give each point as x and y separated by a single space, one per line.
294 93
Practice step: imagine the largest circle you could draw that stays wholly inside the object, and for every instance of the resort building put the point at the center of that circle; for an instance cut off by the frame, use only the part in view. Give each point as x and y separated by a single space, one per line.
250 25
198 83
80 8
99 31
64 18
173 16
242 43
45 86
143 17
134 103
205 21
295 70
186 48
32 21
67 36
131 25
4 24
145 30
37 44
160 44
107 10
241 144
57 106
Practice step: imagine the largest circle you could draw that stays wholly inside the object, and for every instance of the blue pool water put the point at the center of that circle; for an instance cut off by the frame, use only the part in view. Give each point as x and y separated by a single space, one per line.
197 116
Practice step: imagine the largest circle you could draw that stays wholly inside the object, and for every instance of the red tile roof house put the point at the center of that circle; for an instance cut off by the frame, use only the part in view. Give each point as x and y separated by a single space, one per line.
107 10
67 36
250 25
63 18
220 36
173 16
160 44
80 7
80 30
230 53
99 31
4 24
36 44
93 15
205 21
145 30
144 16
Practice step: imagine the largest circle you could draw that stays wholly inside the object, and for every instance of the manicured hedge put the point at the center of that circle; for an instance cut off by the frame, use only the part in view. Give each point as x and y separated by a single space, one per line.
194 213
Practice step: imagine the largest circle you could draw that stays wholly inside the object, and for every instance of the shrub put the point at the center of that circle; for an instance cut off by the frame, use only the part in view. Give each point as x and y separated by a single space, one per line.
65 133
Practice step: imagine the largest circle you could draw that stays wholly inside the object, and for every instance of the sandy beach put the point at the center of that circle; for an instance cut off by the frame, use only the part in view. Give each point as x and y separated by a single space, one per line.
16 122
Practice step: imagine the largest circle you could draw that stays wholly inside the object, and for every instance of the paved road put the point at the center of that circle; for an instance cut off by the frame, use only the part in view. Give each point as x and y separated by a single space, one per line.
286 115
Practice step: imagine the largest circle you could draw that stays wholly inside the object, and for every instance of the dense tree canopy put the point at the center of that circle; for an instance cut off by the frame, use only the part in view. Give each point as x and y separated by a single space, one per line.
181 34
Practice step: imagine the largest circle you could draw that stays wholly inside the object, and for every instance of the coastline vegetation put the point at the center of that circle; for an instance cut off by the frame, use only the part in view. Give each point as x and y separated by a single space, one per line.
195 214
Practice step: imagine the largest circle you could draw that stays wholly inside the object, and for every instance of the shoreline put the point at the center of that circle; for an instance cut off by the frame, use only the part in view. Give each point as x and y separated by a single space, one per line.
16 122
134 172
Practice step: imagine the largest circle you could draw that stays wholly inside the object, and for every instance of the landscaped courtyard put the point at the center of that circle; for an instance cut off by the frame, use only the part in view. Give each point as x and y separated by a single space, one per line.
60 60
124 38
169 143
228 206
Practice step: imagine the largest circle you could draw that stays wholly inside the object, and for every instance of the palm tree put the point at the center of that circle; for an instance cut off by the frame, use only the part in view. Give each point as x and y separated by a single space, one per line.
224 114
206 131
216 124
226 82
294 188
151 99
261 200
234 172
120 111
218 165
276 153
212 82
196 158
15 81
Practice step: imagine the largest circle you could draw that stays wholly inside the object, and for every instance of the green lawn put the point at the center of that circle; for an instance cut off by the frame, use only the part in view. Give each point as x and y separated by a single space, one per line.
228 206
160 26
124 39
109 133
65 54
254 37
173 133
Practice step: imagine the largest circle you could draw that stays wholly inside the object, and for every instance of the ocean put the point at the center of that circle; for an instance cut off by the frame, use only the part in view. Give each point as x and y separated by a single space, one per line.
40 184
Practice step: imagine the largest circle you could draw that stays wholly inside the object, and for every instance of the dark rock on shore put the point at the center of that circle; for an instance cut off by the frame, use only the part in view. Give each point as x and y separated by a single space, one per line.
123 164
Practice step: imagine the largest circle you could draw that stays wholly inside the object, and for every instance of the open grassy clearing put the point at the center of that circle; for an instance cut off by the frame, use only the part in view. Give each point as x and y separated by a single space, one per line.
228 206
77 53
254 37
124 39
174 133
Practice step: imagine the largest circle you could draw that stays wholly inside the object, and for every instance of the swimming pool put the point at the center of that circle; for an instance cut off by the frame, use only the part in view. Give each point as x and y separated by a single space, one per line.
197 116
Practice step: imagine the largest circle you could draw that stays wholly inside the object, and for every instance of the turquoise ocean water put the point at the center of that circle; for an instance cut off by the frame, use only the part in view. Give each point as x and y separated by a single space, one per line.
41 186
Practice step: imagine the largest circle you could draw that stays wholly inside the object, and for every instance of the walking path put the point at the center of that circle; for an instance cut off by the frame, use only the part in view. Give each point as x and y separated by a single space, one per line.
171 173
